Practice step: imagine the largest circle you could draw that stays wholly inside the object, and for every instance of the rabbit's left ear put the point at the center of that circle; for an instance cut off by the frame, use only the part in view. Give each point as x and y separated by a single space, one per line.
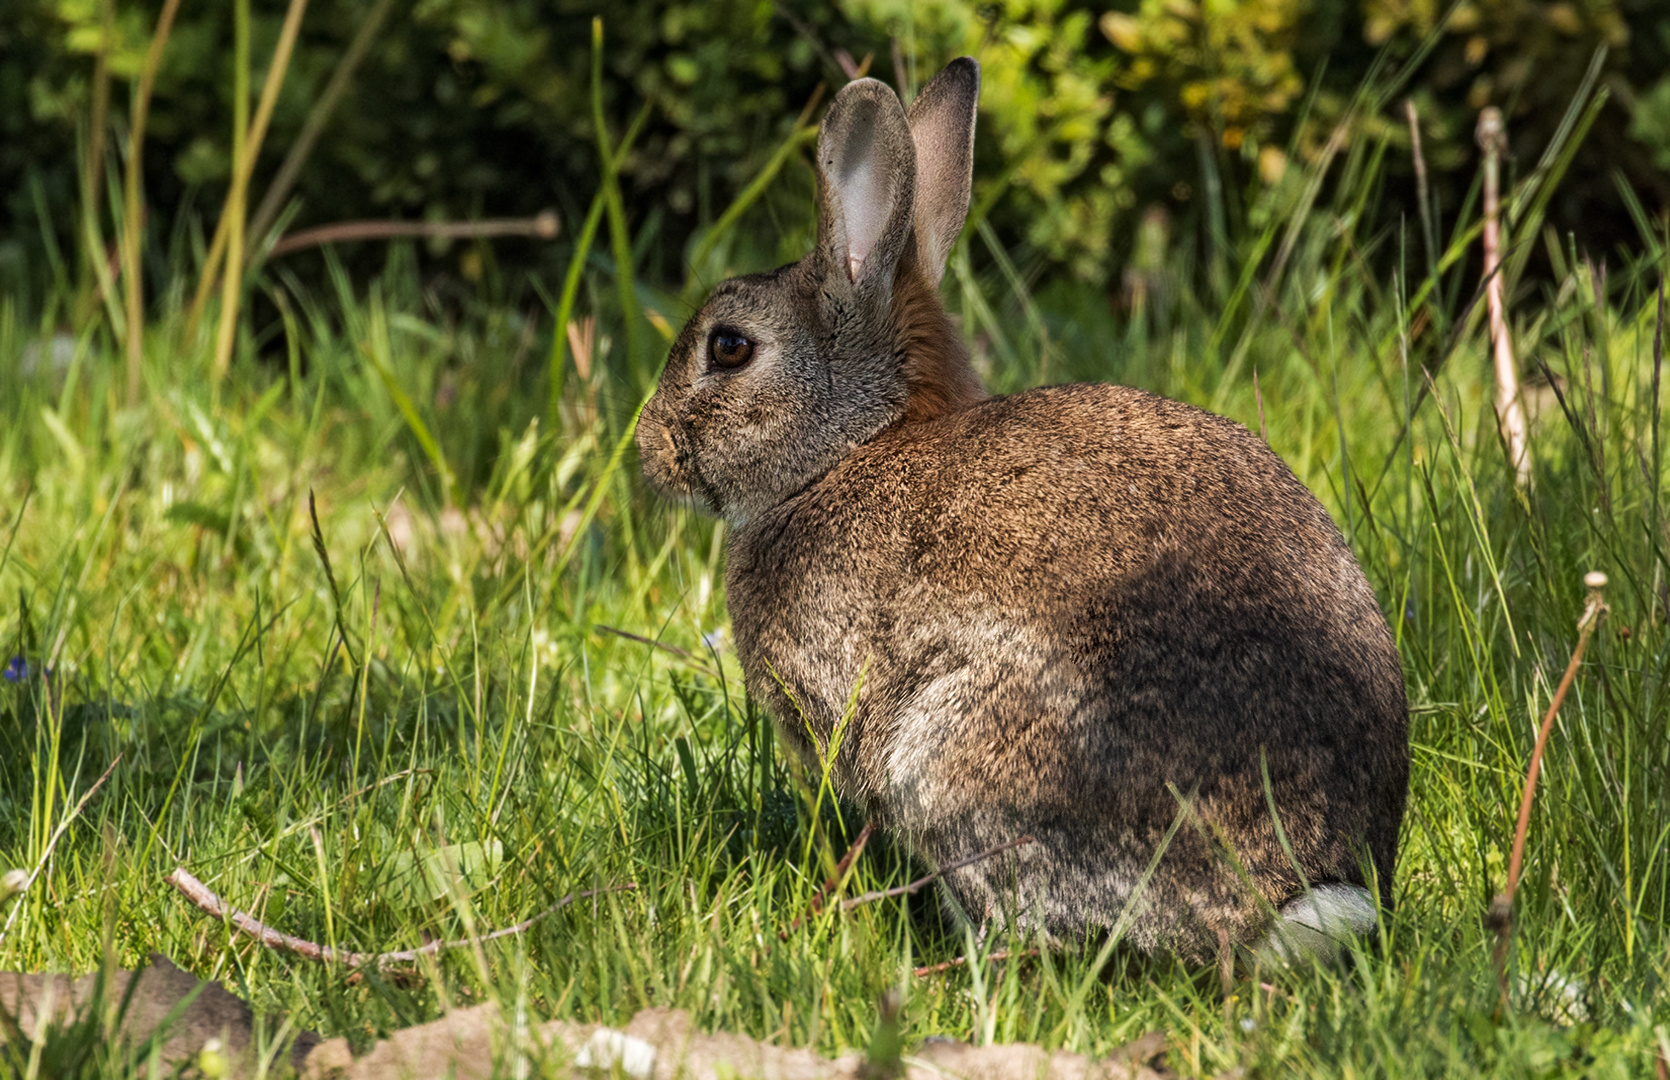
942 126
868 173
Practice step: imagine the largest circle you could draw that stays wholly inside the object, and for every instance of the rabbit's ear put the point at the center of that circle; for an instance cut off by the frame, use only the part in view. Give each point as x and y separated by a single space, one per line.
942 126
867 163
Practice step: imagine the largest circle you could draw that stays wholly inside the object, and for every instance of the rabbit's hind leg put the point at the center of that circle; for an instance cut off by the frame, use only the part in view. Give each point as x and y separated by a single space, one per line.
1314 927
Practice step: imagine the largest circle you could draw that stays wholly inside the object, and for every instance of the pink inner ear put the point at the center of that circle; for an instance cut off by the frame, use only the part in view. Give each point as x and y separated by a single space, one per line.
865 202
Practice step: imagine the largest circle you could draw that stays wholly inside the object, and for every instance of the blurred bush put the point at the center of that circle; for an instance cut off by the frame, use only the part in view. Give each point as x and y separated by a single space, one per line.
471 108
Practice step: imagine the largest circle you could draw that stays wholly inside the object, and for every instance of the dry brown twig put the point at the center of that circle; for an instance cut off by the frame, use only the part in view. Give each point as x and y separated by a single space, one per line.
853 851
1500 918
673 650
205 899
544 226
52 842
919 883
885 894
1510 410
951 965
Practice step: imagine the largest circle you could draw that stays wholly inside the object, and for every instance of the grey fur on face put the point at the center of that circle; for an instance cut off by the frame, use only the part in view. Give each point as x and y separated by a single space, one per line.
1111 621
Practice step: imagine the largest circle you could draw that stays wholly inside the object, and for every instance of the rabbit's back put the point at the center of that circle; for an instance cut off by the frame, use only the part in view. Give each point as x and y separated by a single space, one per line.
1096 616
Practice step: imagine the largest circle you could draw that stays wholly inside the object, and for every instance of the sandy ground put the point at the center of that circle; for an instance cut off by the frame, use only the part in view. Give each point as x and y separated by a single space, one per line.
201 1023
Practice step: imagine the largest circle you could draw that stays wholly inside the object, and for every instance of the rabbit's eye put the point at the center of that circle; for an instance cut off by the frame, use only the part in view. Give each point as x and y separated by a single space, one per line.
730 349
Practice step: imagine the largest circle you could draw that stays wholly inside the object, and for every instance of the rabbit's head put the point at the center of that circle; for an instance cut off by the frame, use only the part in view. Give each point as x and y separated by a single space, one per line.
781 374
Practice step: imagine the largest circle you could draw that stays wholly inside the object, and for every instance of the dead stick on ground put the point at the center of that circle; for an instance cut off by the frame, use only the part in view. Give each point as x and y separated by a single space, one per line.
951 965
1510 411
63 827
201 895
853 852
905 890
856 849
1500 918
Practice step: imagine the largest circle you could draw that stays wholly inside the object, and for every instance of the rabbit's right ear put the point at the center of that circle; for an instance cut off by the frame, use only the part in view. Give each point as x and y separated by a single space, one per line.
867 165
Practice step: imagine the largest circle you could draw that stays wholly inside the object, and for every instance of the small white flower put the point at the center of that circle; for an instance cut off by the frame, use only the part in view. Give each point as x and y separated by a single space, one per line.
12 881
608 1048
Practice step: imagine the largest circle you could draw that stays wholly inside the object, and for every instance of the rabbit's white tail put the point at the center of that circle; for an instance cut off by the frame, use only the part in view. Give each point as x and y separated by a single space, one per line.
1313 927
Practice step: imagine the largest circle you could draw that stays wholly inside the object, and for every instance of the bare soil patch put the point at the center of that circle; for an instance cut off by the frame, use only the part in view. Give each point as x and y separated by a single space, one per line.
481 1042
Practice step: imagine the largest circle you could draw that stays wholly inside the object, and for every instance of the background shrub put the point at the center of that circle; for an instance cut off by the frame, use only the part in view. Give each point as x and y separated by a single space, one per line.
1091 116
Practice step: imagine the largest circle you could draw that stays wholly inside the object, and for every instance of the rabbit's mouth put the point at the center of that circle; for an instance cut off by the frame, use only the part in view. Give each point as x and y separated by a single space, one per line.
670 469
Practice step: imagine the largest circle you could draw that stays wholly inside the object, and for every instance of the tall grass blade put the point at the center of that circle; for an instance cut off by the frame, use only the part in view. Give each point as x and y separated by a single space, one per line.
571 279
233 213
92 177
133 210
318 116
620 238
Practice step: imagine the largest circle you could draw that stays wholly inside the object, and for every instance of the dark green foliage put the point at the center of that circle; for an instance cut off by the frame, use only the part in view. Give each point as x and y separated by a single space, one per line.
462 109
479 108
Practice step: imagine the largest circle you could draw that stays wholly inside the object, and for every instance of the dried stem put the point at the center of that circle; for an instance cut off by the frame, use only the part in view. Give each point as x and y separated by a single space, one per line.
132 201
230 231
1510 410
1501 909
91 179
853 852
919 883
318 116
543 226
952 965
672 650
1423 192
234 216
202 896
63 827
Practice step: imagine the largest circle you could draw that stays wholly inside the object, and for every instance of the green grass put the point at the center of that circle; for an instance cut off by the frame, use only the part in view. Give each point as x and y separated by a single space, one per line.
411 720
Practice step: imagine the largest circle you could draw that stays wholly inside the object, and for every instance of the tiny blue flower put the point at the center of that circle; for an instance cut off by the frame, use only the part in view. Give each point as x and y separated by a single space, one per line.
17 670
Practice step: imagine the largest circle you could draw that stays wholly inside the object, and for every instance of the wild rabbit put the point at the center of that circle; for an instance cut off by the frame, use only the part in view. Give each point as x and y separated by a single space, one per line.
1088 614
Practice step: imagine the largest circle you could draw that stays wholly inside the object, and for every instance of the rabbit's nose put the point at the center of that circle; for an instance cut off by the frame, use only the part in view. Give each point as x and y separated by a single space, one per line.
659 456
654 436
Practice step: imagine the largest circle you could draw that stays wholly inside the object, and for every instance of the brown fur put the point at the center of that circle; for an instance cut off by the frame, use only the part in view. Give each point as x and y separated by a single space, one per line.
933 358
1085 613
1100 690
